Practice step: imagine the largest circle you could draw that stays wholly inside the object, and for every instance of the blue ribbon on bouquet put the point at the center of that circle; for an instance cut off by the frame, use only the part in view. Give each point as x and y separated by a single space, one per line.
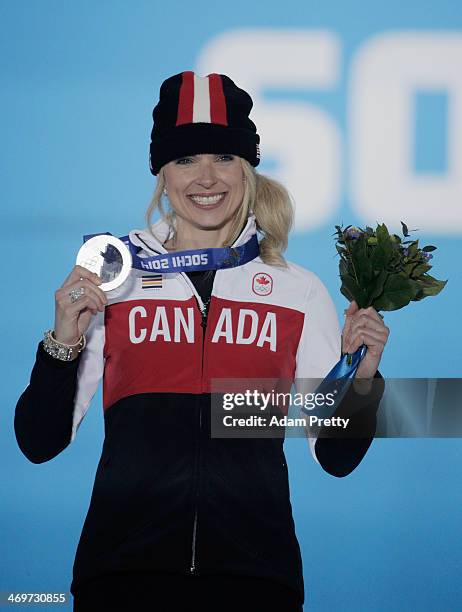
338 381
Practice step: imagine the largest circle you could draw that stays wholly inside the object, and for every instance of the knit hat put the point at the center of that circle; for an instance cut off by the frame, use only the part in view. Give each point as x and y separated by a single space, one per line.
202 115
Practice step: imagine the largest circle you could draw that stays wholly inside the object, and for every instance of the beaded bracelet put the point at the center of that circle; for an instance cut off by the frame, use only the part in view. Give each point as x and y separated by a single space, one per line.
59 350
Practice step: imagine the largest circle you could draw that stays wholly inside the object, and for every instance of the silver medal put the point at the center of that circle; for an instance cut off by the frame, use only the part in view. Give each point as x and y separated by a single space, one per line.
108 257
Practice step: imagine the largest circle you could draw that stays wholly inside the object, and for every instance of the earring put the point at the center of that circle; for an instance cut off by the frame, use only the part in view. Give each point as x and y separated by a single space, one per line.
165 192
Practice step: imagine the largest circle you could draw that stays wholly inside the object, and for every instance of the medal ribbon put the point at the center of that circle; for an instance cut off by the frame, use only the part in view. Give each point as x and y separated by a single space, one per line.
191 260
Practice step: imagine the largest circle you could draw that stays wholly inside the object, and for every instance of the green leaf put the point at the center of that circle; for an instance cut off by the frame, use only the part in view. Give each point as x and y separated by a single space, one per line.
429 286
383 253
376 288
344 291
428 279
351 290
429 248
408 268
350 284
398 291
420 269
364 271
405 230
380 257
382 234
413 248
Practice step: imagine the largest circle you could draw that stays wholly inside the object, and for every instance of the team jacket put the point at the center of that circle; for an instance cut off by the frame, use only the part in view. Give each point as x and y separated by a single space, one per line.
167 495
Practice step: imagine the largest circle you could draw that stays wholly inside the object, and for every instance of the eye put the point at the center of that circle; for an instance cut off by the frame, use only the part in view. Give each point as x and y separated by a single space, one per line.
225 157
183 161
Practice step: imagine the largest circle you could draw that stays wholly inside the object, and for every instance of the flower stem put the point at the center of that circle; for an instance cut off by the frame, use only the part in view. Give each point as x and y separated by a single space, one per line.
351 260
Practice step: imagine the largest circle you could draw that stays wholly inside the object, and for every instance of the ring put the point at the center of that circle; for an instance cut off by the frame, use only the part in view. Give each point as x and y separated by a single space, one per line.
76 294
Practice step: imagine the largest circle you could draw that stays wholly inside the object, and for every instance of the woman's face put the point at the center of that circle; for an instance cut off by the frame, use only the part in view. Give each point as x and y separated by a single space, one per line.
205 190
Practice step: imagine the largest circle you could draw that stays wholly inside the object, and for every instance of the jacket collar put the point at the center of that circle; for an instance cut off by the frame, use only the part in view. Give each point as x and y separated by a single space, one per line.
148 242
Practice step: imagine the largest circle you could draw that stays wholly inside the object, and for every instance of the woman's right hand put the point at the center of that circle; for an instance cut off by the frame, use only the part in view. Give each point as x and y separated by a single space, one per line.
73 318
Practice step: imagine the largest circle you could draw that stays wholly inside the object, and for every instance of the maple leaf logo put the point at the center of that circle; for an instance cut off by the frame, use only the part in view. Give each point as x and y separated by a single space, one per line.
262 283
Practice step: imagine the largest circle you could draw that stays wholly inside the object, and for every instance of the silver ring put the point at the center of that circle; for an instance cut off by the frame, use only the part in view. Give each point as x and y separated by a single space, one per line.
76 294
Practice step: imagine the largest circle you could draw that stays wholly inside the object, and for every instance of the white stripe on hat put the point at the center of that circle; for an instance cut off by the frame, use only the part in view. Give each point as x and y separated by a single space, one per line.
201 107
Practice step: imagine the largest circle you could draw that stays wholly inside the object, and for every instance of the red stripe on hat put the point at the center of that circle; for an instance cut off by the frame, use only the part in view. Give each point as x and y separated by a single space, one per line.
186 99
217 100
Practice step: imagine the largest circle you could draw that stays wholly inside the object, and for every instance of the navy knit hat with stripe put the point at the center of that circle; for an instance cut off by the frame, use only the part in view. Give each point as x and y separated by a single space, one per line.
202 115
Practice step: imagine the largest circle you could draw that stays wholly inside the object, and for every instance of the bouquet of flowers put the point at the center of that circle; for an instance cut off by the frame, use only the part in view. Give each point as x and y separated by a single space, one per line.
380 269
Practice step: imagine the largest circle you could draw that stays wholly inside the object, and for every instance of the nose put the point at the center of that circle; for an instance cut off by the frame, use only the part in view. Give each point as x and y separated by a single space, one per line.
206 176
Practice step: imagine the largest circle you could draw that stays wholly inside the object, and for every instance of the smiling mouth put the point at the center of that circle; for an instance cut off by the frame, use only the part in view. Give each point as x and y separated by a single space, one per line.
207 201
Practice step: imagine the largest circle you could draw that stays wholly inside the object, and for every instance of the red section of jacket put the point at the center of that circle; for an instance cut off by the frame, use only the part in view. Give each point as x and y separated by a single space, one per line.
242 340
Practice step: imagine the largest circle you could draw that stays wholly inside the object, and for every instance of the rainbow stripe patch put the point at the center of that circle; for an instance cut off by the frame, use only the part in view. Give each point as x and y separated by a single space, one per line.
153 281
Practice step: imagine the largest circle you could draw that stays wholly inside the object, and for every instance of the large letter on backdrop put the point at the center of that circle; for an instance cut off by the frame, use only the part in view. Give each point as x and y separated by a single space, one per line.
388 72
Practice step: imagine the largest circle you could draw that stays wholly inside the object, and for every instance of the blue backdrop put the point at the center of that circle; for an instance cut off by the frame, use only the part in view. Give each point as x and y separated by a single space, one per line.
360 108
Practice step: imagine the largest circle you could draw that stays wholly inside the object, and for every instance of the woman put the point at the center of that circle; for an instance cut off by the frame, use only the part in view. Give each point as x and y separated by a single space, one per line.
178 517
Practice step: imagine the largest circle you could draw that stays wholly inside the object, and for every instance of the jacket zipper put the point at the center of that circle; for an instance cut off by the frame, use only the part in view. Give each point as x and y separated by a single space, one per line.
204 314
192 567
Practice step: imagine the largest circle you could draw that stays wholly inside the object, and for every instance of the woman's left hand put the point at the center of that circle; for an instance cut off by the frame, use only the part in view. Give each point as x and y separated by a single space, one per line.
364 326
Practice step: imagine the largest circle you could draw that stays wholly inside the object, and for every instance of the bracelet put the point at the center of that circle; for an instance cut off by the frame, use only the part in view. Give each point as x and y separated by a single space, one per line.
59 350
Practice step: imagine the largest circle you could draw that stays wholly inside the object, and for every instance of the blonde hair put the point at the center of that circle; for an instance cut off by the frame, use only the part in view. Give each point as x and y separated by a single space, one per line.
268 199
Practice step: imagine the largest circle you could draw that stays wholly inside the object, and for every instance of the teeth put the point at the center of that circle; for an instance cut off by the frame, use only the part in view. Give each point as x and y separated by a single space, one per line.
207 200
